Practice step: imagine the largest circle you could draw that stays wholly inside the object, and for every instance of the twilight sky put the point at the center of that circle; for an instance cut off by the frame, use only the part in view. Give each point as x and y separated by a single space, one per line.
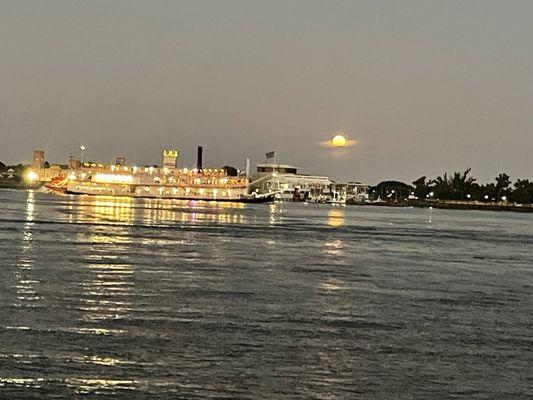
423 86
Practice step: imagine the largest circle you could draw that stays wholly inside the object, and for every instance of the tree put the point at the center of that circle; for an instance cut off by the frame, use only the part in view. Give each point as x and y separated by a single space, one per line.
503 181
422 188
393 190
502 184
441 189
523 192
454 188
462 183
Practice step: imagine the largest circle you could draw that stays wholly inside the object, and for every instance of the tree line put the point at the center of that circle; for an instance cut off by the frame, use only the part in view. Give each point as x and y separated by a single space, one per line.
460 186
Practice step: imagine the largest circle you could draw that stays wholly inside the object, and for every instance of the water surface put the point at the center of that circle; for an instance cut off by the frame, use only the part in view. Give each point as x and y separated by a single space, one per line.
131 299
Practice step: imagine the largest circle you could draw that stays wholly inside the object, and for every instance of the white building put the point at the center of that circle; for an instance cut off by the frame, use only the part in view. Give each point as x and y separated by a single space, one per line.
291 186
288 184
356 192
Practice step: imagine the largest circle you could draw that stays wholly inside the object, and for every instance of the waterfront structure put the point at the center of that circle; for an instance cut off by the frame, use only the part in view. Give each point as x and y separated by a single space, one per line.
74 163
37 159
357 192
168 181
288 185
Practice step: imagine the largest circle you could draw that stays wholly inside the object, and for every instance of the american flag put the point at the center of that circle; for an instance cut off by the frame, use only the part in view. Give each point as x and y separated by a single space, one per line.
270 154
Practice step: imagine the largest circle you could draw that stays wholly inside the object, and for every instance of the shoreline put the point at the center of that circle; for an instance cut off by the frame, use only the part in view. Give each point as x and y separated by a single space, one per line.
458 205
443 204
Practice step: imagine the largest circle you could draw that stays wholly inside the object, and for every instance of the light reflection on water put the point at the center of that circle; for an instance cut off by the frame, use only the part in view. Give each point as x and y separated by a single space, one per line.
126 210
110 283
137 298
26 286
336 217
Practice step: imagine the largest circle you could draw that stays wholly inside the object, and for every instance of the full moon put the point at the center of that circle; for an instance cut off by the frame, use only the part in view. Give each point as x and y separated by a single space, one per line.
338 141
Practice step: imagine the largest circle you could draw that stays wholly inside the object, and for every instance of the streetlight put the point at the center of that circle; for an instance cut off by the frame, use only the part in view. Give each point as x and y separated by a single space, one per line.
82 148
31 176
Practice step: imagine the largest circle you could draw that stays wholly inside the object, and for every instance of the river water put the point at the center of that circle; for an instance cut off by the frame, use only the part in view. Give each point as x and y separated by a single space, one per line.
147 299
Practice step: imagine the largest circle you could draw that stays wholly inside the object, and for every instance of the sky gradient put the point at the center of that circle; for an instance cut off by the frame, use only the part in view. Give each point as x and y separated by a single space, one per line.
423 86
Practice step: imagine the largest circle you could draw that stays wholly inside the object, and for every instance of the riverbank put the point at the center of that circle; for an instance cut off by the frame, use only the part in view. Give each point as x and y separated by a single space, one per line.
459 205
10 184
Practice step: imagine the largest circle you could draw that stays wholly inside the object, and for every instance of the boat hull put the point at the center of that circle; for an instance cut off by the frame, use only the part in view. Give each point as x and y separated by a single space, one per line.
248 199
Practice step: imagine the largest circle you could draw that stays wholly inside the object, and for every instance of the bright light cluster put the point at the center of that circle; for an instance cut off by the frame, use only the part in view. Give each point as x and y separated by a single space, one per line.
112 178
32 176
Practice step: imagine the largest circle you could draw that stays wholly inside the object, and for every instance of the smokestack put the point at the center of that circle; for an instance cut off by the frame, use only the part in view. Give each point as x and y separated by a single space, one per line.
199 158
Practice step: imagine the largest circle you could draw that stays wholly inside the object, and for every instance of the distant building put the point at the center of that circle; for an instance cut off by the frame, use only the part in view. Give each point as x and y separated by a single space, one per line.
38 159
120 161
288 184
73 163
357 192
350 193
280 168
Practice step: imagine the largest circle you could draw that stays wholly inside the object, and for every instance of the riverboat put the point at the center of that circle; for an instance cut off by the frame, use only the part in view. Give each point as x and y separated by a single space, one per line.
158 182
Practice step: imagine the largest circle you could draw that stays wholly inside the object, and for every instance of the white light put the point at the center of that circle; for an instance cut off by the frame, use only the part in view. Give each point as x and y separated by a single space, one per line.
112 178
82 147
32 176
